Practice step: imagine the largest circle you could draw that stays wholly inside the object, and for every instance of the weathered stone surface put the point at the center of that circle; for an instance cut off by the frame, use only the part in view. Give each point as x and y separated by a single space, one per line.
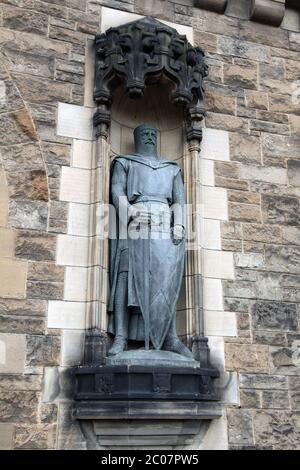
246 357
10 98
28 185
271 127
48 413
28 214
284 359
25 382
241 76
264 34
45 290
35 246
244 49
245 148
240 428
241 289
22 325
244 212
249 260
283 259
18 406
256 99
236 305
43 350
280 428
41 90
65 34
231 183
11 307
278 145
218 103
57 154
45 272
227 169
263 382
35 437
16 128
274 315
226 122
25 157
294 172
261 233
206 40
291 235
269 337
244 197
162 8
231 230
275 399
24 20
281 210
250 399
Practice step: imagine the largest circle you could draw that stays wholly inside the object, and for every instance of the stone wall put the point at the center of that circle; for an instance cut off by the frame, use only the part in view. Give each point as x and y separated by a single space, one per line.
253 103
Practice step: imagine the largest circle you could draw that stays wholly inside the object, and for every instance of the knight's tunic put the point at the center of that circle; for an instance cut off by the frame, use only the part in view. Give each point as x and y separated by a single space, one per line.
155 185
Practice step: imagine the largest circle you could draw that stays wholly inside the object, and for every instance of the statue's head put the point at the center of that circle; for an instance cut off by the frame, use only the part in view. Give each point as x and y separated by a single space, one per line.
145 140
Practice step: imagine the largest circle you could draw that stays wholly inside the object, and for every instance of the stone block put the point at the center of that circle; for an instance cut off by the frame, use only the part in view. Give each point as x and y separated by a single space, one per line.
12 353
79 220
215 203
270 127
277 428
207 175
30 185
226 122
68 315
269 337
261 233
231 183
247 357
17 128
27 157
43 350
245 148
56 154
75 185
227 169
35 437
240 428
13 275
211 234
260 173
7 243
241 76
294 172
249 260
220 323
208 41
22 20
275 399
75 121
245 49
244 212
19 406
72 347
282 259
45 290
244 197
212 294
6 436
256 99
241 289
291 235
263 382
40 90
35 246
219 103
28 214
72 251
250 399
82 154
218 264
274 315
215 145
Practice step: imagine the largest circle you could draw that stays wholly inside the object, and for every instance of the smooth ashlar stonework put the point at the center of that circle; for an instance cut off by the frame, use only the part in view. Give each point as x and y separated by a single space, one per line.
12 353
214 201
75 121
13 275
218 264
215 145
72 251
72 347
75 185
68 315
212 294
220 323
6 436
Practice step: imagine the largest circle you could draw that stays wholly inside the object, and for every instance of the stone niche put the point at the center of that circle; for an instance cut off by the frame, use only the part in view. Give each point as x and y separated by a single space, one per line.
163 407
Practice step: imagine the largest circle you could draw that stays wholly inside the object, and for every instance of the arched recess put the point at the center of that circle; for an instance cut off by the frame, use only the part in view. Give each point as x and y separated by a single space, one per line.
147 72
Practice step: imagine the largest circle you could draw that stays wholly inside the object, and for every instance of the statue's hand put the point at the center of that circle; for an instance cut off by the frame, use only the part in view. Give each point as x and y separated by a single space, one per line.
178 233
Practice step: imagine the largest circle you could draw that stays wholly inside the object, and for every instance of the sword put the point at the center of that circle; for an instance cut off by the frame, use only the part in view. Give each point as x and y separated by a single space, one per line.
146 274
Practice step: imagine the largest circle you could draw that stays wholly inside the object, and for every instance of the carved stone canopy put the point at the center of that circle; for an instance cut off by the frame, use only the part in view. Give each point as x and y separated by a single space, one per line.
141 53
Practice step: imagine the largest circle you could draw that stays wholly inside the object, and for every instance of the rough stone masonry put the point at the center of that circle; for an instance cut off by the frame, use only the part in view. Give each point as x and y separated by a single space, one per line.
253 93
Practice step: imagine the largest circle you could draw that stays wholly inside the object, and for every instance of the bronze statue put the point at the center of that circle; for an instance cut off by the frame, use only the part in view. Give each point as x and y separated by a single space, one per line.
147 256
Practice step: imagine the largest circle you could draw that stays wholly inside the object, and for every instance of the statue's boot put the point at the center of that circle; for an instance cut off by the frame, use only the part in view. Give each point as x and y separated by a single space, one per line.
173 343
119 345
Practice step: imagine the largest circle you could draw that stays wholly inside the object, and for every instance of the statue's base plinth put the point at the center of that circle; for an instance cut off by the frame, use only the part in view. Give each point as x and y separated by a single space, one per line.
127 382
151 357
